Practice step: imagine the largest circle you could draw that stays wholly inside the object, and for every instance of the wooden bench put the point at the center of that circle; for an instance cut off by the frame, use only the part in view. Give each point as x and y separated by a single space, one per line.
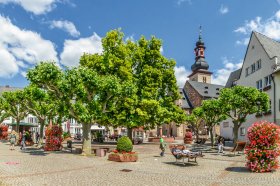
239 147
182 156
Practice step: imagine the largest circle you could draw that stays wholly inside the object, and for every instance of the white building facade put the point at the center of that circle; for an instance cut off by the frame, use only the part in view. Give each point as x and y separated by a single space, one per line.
260 69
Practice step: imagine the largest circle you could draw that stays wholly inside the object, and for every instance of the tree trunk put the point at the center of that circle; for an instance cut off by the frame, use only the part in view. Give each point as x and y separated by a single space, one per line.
197 136
160 131
41 137
129 133
211 136
17 126
235 132
86 139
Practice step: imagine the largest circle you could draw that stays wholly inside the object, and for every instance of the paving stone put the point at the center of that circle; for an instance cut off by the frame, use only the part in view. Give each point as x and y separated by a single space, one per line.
36 167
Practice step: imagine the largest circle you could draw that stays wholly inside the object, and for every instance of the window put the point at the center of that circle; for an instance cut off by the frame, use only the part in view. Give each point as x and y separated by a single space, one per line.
247 71
259 85
242 131
225 124
259 64
204 79
253 68
267 81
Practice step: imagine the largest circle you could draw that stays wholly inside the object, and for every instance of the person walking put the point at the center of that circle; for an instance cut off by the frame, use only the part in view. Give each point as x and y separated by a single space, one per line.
13 138
221 145
23 141
37 137
162 146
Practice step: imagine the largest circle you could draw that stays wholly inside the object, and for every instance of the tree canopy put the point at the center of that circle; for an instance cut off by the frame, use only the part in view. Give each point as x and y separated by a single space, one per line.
238 102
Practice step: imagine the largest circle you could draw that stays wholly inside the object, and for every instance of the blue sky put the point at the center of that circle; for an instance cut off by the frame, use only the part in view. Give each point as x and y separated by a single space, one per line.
61 30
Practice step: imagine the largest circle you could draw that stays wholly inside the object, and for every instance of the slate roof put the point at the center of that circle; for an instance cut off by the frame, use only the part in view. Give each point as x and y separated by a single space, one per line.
206 89
271 46
235 75
185 100
8 88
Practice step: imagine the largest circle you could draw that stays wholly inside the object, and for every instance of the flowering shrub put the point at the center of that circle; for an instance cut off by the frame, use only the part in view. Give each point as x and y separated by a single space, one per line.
263 149
3 131
188 137
53 138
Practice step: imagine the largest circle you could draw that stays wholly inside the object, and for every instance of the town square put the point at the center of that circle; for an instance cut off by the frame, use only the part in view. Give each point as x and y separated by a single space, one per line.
175 92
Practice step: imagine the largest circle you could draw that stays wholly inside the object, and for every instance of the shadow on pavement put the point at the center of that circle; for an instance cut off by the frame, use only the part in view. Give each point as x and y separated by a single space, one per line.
180 164
238 169
35 152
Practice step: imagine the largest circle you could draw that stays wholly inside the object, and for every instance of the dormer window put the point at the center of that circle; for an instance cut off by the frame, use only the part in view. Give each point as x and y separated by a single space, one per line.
206 87
206 92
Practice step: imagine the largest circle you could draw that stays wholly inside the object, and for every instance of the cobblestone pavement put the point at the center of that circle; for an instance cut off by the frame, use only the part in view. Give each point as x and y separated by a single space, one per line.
35 167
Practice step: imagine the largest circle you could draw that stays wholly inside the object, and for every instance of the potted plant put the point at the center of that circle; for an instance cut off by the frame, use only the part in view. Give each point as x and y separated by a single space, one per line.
124 152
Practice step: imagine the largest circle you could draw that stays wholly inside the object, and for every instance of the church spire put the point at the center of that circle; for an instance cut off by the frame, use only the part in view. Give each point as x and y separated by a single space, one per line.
200 62
200 67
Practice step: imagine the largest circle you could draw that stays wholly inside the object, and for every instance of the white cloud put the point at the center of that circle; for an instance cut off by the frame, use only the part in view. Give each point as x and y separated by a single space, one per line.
223 9
244 41
161 50
66 26
37 7
74 49
181 75
179 2
269 27
21 48
221 75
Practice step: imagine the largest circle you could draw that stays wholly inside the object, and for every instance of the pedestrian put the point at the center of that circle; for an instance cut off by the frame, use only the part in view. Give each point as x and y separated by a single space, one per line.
37 137
23 141
221 145
13 138
162 146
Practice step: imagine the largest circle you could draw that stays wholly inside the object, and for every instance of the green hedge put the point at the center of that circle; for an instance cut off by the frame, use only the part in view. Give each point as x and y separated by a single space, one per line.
124 144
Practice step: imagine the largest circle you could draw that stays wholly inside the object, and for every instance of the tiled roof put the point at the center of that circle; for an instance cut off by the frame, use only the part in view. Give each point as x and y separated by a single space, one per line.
206 89
185 101
8 89
235 75
271 46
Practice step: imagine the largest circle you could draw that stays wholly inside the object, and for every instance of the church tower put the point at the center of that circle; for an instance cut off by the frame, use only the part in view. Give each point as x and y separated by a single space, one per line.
200 67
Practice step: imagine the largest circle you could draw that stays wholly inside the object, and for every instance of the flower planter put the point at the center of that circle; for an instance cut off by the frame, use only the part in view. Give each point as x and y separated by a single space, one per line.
119 157
263 149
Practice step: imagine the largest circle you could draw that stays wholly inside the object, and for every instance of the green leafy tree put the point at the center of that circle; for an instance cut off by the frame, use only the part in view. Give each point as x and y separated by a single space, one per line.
3 113
238 102
195 119
85 94
153 88
40 104
14 106
212 115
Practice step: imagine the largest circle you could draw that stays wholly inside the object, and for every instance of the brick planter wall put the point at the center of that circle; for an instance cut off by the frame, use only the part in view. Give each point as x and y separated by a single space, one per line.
156 139
123 157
